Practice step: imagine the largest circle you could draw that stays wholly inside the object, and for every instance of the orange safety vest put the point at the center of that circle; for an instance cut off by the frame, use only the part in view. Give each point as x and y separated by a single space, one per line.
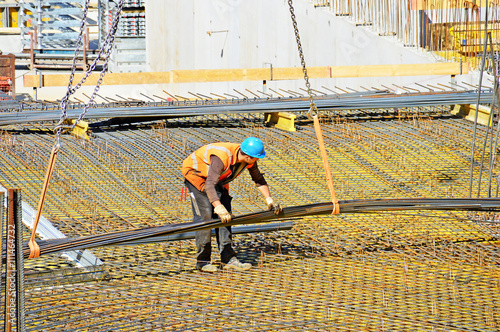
195 166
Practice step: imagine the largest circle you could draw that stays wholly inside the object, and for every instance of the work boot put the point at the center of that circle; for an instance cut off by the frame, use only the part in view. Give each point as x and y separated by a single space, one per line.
235 264
206 267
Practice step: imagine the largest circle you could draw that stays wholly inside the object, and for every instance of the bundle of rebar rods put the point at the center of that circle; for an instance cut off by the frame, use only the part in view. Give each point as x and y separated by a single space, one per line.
350 206
351 102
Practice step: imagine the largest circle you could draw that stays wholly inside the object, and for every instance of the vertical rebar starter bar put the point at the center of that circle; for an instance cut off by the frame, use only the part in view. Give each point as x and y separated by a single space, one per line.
16 212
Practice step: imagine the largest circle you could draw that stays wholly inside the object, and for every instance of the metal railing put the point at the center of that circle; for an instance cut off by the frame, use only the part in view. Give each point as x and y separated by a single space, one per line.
53 25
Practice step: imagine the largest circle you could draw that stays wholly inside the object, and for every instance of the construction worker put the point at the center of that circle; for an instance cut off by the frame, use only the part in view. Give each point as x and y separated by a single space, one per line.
207 173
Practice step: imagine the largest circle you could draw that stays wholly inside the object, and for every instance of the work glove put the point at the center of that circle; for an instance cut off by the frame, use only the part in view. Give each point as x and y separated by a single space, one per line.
273 205
222 213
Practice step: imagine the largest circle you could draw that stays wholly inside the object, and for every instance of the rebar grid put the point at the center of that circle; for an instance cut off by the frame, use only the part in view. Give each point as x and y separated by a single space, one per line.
407 271
375 292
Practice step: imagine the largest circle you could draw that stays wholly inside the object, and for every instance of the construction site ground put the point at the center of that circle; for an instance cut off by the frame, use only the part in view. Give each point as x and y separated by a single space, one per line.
393 271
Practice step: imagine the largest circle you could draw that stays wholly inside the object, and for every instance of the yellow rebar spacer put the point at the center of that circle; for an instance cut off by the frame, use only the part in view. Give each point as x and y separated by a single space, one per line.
281 120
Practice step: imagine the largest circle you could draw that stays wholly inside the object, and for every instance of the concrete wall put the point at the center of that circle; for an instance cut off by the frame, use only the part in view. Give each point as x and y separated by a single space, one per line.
260 32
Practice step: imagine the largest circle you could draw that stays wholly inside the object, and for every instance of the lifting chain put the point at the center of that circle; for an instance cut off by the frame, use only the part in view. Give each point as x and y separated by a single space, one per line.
105 50
313 113
313 110
62 125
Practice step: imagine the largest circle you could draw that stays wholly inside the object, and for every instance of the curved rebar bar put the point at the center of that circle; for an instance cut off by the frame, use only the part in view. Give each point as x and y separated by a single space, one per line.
347 206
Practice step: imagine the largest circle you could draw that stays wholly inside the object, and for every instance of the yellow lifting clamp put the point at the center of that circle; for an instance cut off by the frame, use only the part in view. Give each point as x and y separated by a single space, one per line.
80 130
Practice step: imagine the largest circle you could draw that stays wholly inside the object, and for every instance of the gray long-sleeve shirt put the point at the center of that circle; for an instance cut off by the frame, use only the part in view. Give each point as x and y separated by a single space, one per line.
215 172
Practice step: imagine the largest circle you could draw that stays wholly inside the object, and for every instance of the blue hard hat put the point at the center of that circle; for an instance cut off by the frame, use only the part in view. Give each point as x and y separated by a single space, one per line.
253 147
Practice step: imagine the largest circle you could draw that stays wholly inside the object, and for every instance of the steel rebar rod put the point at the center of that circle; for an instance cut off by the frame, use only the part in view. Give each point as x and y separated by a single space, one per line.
349 206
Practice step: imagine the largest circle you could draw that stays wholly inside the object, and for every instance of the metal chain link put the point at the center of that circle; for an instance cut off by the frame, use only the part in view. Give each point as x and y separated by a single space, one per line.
73 67
105 50
64 101
313 110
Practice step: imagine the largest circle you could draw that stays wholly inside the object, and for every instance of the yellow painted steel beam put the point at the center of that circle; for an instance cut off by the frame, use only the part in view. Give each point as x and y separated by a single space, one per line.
251 74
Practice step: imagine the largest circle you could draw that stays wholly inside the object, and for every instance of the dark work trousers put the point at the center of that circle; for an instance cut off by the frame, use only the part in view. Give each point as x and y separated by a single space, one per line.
206 212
